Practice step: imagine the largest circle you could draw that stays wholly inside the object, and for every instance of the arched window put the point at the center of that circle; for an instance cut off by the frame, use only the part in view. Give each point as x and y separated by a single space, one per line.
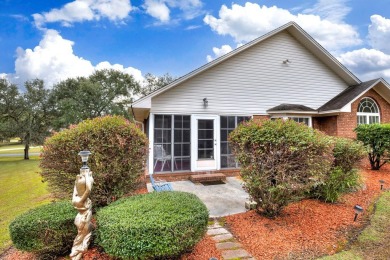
368 112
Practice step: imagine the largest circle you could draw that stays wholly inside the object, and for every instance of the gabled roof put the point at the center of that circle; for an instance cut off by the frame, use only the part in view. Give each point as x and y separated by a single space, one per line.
295 30
348 95
290 108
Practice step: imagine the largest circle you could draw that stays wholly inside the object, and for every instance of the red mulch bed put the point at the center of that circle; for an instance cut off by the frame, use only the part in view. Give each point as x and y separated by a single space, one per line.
306 229
309 228
204 250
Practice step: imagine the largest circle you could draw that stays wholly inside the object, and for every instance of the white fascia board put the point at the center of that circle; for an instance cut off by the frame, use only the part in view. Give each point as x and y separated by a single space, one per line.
293 112
330 112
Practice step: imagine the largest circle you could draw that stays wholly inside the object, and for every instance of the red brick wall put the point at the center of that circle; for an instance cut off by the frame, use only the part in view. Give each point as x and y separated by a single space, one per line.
327 124
260 117
347 122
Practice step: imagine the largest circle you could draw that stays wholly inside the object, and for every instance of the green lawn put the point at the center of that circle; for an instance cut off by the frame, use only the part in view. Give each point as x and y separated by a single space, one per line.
374 241
20 190
18 149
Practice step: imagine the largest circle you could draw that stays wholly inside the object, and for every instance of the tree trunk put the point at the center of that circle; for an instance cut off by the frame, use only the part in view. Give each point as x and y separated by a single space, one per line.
26 148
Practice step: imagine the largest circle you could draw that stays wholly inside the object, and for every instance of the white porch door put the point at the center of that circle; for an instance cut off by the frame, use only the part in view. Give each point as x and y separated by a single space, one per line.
204 139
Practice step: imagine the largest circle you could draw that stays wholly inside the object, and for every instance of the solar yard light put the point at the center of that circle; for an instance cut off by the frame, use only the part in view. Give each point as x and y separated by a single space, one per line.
84 158
83 204
381 182
358 209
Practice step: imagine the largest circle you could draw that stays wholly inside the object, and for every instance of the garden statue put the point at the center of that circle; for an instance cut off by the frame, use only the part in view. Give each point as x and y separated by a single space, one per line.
82 202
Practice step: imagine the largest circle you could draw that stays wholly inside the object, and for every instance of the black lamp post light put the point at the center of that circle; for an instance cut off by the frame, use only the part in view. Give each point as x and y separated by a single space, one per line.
381 182
358 209
84 158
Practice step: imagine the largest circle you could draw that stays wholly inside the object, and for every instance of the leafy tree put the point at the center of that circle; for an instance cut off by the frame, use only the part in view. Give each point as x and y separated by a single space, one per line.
377 139
26 115
10 109
34 124
104 92
153 83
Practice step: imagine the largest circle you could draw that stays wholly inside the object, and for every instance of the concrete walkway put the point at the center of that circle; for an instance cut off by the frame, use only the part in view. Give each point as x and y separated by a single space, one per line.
18 154
221 200
225 242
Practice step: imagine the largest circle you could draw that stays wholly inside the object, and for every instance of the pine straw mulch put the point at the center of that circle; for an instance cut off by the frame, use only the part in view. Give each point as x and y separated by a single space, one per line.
309 228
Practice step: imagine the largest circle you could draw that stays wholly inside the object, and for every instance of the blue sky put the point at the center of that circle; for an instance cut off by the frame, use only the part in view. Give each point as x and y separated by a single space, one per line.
54 40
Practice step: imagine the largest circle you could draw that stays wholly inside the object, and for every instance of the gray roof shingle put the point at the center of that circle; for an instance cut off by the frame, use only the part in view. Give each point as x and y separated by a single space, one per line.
346 96
290 107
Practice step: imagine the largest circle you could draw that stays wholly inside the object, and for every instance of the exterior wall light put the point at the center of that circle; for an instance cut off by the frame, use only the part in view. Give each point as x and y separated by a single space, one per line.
286 61
358 209
84 158
381 182
205 103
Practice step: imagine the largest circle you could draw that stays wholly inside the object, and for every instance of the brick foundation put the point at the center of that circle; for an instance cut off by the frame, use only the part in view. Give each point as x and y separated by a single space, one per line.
327 124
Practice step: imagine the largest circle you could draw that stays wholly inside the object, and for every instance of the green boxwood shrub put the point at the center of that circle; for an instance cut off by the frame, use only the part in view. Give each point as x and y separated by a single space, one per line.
280 161
118 158
344 175
154 225
376 137
46 230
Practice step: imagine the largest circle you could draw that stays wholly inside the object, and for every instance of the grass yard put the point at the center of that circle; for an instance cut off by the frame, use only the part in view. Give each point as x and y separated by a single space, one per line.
18 149
374 241
20 190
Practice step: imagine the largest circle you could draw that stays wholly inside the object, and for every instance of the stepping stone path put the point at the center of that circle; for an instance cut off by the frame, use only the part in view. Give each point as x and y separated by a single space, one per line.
226 243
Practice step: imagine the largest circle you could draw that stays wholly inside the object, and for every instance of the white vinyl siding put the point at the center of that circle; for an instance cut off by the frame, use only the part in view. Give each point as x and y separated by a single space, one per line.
254 81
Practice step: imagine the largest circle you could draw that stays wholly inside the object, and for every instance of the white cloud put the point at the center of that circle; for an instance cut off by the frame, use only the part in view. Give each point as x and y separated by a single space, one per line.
331 10
161 9
158 10
367 63
53 60
136 73
379 33
244 23
219 52
85 10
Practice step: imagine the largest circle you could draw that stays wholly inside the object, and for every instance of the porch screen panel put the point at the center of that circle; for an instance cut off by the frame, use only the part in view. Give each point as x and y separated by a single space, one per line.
162 154
182 143
228 124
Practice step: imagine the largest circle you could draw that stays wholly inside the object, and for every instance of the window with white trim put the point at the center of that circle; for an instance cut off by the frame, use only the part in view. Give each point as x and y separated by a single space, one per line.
368 112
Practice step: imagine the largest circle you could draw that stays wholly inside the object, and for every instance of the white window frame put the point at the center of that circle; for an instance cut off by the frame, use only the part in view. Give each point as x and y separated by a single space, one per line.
367 115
